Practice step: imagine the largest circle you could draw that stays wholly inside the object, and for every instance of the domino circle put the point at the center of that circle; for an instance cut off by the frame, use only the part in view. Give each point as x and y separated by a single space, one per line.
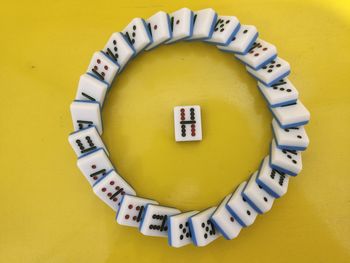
251 198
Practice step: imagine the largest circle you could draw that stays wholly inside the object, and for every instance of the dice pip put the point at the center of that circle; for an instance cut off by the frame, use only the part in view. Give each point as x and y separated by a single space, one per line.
187 122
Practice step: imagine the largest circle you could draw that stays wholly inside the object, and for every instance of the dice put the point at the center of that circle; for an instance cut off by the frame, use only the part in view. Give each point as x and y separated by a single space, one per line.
86 114
179 233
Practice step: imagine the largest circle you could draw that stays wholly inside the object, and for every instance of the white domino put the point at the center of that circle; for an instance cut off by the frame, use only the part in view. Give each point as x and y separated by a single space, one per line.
242 41
94 165
202 228
90 88
179 233
119 49
137 34
287 161
203 24
225 222
85 141
273 181
259 54
256 196
281 93
159 28
291 115
111 188
293 138
131 210
225 29
86 114
155 220
187 123
240 208
103 68
181 23
272 72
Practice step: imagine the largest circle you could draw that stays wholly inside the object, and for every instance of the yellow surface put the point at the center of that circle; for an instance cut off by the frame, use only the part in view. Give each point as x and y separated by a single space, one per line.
48 212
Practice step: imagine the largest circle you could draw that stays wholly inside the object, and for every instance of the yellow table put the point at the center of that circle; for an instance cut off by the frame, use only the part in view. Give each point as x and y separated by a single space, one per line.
48 211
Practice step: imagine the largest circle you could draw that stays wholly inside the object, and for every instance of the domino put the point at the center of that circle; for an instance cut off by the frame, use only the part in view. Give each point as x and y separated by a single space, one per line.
103 68
132 209
86 114
256 196
179 233
111 188
291 115
187 123
202 229
223 221
240 209
154 220
273 181
242 41
281 93
90 88
286 161
85 141
94 165
137 34
272 72
159 28
119 50
293 138
181 24
226 28
260 54
203 24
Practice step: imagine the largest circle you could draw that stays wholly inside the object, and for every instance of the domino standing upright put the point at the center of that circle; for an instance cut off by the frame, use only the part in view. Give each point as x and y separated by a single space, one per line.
179 233
203 24
155 220
131 210
181 23
226 28
159 28
242 41
225 222
90 88
111 188
119 49
137 34
103 68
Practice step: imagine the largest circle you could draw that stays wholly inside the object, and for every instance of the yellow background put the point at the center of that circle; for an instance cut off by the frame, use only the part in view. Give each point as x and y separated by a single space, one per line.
48 211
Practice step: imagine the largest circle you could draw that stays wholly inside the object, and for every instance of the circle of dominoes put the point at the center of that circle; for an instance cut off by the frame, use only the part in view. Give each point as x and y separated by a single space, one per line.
252 197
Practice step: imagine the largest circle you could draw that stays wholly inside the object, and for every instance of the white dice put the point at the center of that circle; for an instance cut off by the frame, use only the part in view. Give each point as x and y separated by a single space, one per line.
238 206
86 114
226 28
281 93
179 233
181 22
287 161
102 67
132 209
203 24
272 72
111 188
155 220
202 228
242 41
273 181
291 115
85 141
94 165
225 222
159 28
187 123
90 88
137 34
256 196
259 54
119 49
